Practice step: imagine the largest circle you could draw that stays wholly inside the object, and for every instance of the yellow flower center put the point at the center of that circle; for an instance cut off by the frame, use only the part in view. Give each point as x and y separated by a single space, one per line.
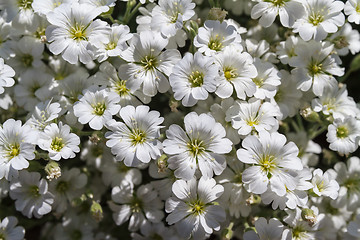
57 144
99 108
14 150
196 78
215 43
342 132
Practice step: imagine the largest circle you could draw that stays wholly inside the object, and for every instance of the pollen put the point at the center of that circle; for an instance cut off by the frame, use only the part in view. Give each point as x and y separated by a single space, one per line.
196 78
57 144
215 43
342 132
14 150
99 108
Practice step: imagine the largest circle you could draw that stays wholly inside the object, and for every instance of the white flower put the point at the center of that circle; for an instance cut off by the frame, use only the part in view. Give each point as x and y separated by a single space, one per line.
308 149
5 36
239 7
72 87
218 111
288 10
261 48
59 142
43 114
31 194
335 102
65 188
344 135
321 17
324 183
287 97
354 227
235 198
96 107
301 229
73 29
275 163
43 7
155 230
28 54
116 44
16 147
201 146
352 10
345 40
192 208
252 116
149 65
164 177
286 49
135 139
193 78
140 206
34 87
292 198
267 79
73 224
114 173
347 175
214 36
315 66
169 16
129 91
19 13
269 230
6 76
9 231
105 5
237 72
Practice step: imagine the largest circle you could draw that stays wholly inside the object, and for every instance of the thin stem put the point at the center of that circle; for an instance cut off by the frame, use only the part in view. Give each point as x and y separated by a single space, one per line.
295 126
300 122
317 132
129 15
346 76
212 3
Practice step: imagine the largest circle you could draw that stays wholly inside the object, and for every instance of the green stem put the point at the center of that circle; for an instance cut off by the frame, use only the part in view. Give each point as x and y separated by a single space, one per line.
295 126
346 76
300 122
212 3
41 155
129 15
314 134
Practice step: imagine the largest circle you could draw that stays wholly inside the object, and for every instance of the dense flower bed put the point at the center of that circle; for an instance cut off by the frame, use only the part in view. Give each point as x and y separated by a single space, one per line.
179 119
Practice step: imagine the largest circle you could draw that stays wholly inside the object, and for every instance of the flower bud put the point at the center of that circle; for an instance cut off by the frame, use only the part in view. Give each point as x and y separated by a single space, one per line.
308 216
52 170
217 14
310 115
96 211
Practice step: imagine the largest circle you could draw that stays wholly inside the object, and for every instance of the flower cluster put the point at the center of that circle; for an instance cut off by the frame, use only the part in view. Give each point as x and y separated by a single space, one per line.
179 119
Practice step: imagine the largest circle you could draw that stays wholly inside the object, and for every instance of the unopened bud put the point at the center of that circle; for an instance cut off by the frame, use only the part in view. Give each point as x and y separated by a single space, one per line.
310 115
228 233
94 138
96 211
162 163
43 39
308 216
253 199
173 105
194 27
52 170
340 42
217 14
